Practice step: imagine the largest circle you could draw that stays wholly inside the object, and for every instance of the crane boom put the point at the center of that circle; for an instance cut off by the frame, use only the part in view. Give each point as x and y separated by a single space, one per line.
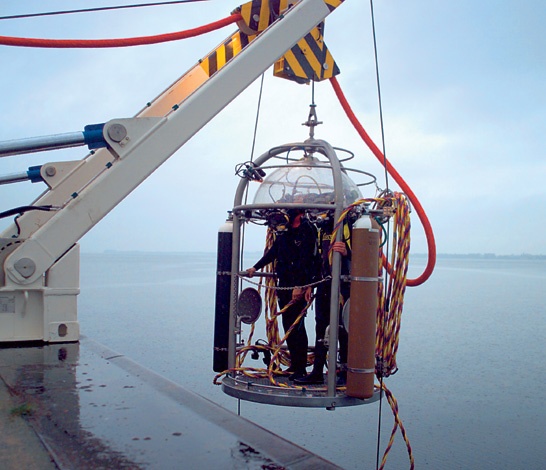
39 281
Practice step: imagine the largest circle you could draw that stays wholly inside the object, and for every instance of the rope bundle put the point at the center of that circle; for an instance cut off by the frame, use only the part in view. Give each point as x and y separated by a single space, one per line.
391 296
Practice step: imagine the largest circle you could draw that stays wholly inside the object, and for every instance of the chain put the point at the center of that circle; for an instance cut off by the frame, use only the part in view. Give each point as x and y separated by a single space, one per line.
325 279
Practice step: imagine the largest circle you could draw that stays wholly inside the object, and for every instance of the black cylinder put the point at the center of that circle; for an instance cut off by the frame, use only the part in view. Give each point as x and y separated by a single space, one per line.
223 286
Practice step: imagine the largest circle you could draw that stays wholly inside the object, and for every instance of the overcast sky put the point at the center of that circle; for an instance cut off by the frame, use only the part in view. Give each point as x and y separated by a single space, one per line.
463 86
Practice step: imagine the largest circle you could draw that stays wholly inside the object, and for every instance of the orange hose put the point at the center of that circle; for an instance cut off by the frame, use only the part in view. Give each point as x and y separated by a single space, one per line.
122 42
431 244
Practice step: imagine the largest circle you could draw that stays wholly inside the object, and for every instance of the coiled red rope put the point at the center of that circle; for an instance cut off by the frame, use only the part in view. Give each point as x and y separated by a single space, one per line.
431 244
122 42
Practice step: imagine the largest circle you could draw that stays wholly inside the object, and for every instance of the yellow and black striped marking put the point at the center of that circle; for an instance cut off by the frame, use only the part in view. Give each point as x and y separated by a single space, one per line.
224 53
333 4
259 14
308 60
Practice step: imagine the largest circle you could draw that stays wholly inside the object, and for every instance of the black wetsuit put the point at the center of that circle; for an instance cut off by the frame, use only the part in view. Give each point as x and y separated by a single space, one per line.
322 302
297 264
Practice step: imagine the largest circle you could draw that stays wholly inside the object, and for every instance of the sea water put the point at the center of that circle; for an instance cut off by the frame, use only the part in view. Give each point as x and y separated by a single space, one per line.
470 386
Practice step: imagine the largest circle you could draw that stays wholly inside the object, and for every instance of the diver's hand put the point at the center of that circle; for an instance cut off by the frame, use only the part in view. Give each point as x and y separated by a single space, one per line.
297 293
250 271
340 248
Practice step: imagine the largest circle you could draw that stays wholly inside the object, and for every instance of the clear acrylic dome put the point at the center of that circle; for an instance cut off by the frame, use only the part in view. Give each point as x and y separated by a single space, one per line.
307 181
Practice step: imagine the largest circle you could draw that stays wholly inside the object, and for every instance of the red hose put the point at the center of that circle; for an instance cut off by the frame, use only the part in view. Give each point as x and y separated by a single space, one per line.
431 244
123 42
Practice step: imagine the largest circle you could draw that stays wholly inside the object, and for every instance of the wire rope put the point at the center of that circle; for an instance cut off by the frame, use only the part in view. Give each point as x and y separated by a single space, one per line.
258 107
92 10
381 126
257 118
252 155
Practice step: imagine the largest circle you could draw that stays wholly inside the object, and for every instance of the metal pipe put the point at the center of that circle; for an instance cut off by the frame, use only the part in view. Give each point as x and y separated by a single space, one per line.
234 324
39 144
91 136
14 178
34 174
336 268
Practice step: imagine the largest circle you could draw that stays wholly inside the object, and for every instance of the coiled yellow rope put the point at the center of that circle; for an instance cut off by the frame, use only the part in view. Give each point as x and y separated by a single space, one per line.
391 296
390 300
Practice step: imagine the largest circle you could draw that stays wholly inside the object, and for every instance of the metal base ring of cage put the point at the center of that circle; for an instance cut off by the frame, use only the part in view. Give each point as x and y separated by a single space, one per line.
260 390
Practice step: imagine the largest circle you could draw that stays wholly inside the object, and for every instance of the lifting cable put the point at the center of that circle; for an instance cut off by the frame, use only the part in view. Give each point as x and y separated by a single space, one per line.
93 10
384 291
249 344
252 152
121 42
390 295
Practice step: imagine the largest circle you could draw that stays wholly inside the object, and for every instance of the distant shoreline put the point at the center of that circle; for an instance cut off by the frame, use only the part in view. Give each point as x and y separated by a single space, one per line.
523 256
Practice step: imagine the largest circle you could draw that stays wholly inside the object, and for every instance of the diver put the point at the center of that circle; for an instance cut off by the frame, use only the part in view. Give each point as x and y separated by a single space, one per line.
297 265
322 301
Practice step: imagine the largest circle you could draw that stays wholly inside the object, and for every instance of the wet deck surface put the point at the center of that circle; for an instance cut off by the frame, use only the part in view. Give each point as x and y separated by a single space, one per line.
84 406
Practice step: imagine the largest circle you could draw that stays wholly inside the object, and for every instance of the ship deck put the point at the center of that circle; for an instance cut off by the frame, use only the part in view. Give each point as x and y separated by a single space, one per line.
82 405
